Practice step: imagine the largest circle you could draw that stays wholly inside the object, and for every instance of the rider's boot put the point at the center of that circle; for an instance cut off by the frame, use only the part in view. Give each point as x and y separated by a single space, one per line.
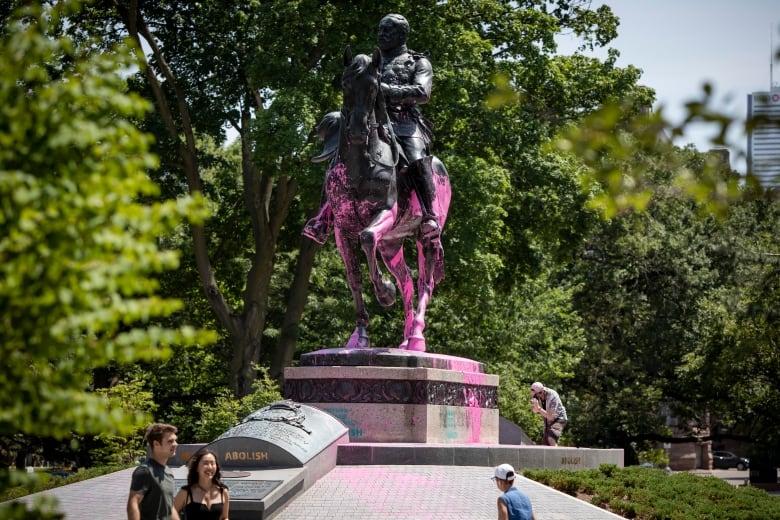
318 228
429 227
426 191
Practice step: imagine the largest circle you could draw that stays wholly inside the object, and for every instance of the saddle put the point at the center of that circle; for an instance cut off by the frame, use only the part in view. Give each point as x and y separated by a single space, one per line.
329 129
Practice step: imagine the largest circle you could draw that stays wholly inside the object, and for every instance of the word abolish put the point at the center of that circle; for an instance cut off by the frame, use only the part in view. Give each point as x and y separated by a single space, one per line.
246 455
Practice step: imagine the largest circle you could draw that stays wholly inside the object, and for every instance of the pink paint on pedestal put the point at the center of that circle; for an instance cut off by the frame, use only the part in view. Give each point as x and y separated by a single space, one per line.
470 418
474 416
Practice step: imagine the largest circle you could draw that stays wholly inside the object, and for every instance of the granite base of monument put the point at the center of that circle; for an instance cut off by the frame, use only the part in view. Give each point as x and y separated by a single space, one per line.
273 455
519 456
392 395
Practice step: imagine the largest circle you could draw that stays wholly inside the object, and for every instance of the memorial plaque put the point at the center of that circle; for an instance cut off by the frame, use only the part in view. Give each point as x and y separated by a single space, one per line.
250 489
284 434
243 489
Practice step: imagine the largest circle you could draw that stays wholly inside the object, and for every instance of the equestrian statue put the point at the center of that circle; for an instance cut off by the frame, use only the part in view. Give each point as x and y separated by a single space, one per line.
382 185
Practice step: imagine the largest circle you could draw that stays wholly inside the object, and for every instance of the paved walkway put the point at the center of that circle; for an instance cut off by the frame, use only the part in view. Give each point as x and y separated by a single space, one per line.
359 493
425 493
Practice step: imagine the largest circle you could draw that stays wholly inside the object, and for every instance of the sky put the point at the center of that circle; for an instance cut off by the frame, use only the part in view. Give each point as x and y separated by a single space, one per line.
681 44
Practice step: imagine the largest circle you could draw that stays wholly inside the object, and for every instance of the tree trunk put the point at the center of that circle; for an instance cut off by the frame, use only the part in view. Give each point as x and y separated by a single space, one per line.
296 302
266 198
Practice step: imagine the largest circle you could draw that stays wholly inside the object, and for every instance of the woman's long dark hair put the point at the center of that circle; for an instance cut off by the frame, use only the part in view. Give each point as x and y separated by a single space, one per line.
192 475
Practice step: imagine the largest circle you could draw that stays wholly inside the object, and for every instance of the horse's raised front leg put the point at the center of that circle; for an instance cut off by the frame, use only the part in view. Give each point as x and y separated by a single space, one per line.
350 254
392 252
369 239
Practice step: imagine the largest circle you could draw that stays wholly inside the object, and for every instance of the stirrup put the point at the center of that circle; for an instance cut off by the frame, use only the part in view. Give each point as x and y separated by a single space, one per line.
429 227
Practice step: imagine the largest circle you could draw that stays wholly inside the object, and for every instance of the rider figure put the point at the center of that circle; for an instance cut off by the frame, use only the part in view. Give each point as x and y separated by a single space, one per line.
406 78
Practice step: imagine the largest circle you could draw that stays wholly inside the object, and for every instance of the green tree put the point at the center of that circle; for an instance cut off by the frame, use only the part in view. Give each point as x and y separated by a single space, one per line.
721 295
79 253
653 285
212 65
517 208
732 368
266 69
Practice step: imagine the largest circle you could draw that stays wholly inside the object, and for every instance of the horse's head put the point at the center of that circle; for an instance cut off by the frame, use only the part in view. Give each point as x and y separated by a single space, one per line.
360 84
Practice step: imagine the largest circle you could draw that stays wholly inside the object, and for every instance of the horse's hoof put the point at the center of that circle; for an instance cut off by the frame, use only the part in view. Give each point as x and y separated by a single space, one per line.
404 345
358 340
416 343
385 293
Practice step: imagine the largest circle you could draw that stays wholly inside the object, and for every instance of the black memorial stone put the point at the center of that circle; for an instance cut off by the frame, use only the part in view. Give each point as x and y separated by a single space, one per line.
284 434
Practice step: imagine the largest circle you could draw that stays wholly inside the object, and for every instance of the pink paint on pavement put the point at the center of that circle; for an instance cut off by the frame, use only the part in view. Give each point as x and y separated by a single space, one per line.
352 483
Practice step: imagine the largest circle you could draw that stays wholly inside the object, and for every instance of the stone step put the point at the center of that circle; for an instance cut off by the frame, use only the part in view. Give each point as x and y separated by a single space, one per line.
519 456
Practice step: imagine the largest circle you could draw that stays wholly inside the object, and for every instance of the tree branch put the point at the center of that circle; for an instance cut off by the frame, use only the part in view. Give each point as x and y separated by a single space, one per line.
136 26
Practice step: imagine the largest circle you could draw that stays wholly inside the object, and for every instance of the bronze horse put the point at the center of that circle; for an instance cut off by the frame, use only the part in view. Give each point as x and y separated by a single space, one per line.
375 208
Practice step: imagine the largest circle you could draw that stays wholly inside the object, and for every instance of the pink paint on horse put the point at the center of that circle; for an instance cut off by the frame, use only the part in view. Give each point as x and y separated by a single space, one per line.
375 213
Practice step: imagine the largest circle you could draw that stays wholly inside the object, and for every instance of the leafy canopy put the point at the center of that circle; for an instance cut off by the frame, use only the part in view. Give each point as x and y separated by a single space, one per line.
79 253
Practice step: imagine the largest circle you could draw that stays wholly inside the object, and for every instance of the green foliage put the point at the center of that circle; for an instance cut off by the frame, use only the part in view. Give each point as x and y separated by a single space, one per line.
225 411
646 494
532 335
607 142
79 253
647 282
622 317
665 297
122 449
655 456
704 307
741 342
42 509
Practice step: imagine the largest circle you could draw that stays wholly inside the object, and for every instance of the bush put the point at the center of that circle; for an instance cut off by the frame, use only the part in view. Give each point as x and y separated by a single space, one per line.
655 456
225 411
645 493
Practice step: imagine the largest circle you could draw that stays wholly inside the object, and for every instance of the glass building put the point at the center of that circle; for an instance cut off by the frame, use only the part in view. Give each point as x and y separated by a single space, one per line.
764 136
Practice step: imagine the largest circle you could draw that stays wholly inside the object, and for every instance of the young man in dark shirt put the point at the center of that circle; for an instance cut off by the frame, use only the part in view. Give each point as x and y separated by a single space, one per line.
152 486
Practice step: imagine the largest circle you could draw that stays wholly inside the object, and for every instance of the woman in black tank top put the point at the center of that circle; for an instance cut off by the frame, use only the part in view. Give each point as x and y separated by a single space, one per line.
204 497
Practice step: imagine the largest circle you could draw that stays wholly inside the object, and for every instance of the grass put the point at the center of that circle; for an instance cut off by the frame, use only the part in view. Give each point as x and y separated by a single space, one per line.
653 494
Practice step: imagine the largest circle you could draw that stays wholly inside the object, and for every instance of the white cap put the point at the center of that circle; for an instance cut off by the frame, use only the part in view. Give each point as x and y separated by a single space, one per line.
537 387
504 472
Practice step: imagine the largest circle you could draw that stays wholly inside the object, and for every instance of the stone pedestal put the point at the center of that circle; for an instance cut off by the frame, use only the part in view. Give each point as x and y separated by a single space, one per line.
391 395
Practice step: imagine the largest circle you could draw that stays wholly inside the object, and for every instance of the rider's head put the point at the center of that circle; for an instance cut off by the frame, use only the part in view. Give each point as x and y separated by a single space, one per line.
393 31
